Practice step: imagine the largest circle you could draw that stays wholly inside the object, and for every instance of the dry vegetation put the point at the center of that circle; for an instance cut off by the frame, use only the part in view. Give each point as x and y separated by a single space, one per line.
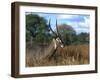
69 55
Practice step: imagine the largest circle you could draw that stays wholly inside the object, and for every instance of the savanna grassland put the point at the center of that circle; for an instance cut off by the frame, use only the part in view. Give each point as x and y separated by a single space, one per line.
69 55
41 37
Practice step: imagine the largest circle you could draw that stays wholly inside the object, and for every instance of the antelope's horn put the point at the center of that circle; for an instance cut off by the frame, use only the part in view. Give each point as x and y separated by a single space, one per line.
58 32
51 28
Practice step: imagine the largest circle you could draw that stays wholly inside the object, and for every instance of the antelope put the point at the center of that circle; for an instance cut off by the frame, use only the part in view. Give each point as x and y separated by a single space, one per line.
55 43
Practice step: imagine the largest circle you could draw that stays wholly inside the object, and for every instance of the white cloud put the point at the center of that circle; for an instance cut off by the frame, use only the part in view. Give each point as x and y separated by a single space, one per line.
64 16
86 23
81 30
73 24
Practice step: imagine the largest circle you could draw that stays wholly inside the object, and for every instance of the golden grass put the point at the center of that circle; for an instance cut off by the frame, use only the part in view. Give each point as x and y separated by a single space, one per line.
69 55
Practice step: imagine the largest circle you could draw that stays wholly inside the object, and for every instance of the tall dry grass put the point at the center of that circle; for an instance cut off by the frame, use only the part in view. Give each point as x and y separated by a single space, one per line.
69 55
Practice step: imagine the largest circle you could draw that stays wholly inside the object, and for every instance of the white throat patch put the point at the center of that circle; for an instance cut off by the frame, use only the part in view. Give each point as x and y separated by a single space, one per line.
55 45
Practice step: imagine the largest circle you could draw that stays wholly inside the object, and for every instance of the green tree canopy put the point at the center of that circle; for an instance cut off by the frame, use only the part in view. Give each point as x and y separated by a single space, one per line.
37 28
83 38
68 33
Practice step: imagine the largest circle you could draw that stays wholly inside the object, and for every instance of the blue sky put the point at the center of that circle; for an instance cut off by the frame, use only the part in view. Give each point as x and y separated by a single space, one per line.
80 23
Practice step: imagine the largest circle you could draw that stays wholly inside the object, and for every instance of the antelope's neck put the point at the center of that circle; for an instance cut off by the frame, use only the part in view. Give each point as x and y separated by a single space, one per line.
54 43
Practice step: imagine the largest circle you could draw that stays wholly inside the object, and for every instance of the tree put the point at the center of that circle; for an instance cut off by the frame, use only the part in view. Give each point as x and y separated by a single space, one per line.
83 38
37 29
68 33
70 37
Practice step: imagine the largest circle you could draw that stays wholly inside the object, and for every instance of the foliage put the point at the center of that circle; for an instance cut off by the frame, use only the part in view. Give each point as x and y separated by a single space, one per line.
83 37
68 33
70 37
37 28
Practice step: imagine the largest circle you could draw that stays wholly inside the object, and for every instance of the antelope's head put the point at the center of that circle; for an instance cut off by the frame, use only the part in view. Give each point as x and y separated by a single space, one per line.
58 42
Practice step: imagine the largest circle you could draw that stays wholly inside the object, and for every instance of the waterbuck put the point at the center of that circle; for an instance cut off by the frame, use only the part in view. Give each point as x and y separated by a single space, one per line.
56 42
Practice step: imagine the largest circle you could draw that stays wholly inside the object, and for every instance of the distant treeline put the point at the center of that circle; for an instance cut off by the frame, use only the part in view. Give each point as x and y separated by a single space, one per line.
38 32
